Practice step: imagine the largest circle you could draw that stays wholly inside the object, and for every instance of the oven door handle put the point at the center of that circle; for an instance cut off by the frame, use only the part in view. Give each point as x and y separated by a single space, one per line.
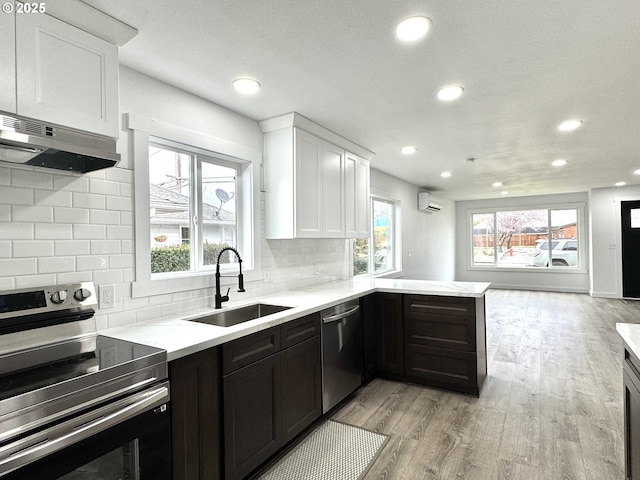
34 447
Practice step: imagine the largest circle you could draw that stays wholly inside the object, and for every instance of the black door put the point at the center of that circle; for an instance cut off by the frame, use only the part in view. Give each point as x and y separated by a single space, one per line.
630 249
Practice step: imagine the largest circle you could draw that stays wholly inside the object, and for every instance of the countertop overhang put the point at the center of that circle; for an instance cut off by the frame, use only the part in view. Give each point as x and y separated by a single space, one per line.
630 333
180 337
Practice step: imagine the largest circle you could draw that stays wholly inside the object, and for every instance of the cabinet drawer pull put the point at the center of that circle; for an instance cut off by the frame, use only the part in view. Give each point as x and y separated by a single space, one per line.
438 307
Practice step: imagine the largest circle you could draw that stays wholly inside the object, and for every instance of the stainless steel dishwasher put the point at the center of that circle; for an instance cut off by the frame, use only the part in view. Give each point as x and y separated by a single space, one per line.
341 352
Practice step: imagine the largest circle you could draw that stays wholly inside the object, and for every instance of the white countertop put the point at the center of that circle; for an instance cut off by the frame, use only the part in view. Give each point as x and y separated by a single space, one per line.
630 333
180 337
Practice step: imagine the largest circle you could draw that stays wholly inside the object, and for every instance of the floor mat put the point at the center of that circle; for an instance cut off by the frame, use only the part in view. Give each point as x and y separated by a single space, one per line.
335 451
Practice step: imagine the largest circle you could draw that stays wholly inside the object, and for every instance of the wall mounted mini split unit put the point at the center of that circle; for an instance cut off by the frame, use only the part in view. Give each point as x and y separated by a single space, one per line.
427 203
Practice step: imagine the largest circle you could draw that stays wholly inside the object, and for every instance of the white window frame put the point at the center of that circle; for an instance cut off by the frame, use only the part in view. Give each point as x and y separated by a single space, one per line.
143 132
397 240
582 241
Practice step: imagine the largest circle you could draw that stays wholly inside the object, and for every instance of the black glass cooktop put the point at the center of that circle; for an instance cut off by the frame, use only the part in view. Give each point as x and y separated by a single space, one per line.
102 354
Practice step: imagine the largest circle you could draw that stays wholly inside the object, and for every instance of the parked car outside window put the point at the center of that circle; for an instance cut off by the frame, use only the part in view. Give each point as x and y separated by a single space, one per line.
564 253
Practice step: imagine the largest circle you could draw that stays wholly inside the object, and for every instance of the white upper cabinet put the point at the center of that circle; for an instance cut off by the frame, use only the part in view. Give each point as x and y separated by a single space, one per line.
65 75
314 188
7 63
357 209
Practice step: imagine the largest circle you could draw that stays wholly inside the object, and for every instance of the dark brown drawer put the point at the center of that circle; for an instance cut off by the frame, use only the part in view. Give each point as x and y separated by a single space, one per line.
299 330
430 304
442 331
440 366
246 350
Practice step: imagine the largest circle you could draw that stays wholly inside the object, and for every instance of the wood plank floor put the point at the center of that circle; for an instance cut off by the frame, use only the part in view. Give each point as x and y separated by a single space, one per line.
551 407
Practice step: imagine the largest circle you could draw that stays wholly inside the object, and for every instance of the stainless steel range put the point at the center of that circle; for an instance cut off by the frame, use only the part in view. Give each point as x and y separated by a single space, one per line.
75 404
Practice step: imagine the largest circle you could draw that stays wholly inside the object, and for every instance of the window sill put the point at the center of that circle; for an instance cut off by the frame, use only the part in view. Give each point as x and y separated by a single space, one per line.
183 283
537 270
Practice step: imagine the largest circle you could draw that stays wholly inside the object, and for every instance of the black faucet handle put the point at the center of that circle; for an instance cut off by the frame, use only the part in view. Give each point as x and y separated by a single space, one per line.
241 283
227 294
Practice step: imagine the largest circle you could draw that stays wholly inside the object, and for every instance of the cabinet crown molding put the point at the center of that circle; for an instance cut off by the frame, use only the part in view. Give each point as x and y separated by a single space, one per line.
294 119
91 20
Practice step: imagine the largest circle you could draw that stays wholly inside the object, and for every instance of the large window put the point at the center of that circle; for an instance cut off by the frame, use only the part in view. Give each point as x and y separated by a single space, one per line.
536 238
378 253
192 209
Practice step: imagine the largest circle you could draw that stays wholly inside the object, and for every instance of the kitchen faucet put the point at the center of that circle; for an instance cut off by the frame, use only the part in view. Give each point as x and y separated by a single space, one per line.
219 299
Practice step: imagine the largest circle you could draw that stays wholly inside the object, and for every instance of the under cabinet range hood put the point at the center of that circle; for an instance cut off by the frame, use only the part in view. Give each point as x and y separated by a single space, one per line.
31 142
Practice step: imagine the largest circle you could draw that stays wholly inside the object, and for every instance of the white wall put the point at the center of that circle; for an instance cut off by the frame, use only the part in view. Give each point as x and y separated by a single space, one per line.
429 236
528 279
59 228
606 251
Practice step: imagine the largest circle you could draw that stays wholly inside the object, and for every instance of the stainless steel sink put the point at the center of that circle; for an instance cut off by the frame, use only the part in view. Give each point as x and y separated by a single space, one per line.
240 315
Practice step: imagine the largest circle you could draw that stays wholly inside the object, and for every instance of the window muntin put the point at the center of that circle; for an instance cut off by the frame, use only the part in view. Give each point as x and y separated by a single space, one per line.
190 220
527 238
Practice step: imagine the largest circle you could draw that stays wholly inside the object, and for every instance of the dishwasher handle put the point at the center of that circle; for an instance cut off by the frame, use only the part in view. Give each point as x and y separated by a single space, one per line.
340 316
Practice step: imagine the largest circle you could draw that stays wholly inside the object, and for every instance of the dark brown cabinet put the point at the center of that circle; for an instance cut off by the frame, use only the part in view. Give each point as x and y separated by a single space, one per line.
428 339
386 312
252 410
272 391
195 416
631 376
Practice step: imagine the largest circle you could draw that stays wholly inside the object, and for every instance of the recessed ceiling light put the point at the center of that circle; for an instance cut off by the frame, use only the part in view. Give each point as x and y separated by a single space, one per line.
569 125
247 86
620 184
496 184
559 163
450 93
412 29
409 150
504 192
636 172
446 174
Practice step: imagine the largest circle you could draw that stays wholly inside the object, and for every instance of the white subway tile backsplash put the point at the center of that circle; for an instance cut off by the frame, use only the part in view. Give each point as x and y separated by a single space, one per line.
16 196
102 277
127 246
89 200
30 281
16 231
31 213
104 217
120 203
121 175
92 262
126 218
5 249
123 232
89 232
104 187
72 247
7 283
70 184
5 213
33 248
148 313
5 176
53 231
74 277
121 261
31 179
126 190
172 309
121 318
53 198
18 266
56 264
106 246
71 215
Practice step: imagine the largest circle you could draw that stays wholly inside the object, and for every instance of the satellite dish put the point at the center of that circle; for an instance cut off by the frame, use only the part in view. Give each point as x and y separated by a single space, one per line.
224 197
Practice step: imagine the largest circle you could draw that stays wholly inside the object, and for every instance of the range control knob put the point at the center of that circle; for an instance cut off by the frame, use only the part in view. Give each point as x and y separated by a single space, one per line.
82 294
59 297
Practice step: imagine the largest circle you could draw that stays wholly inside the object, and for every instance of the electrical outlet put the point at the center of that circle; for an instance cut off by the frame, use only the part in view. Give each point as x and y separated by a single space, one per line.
267 274
107 296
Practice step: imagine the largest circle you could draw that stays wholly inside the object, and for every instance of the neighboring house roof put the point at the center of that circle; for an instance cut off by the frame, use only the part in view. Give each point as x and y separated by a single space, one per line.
173 207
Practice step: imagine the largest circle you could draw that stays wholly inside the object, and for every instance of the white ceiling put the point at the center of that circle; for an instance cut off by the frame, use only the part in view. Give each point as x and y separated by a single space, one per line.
525 67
